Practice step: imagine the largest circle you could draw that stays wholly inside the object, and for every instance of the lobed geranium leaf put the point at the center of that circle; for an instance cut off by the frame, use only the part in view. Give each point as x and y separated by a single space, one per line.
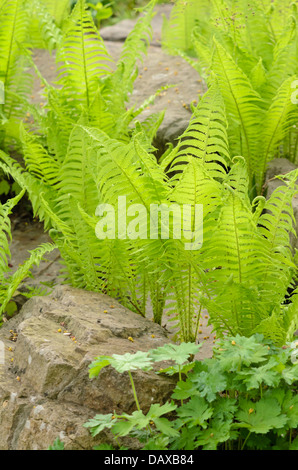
262 416
265 374
128 362
184 390
157 443
157 410
99 423
126 423
294 444
175 369
186 440
177 353
211 437
211 382
239 351
166 427
98 364
290 374
196 412
224 408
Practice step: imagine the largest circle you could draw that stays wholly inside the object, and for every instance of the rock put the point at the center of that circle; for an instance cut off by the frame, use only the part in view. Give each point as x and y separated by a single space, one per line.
282 166
47 388
158 70
121 30
26 237
278 166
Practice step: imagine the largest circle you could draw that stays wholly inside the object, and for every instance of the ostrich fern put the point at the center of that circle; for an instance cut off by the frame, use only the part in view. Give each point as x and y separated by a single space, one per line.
14 17
250 49
91 86
9 282
242 271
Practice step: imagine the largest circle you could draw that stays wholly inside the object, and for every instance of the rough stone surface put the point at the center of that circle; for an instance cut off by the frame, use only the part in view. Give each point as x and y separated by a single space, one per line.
121 30
281 166
45 390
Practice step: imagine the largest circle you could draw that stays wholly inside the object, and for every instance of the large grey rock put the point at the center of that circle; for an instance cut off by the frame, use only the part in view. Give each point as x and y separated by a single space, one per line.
121 30
45 392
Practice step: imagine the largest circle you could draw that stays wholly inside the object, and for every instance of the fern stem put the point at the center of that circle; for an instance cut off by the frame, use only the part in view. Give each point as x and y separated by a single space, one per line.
198 322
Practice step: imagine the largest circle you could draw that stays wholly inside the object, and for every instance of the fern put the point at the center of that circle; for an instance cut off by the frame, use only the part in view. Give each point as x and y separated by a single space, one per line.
10 282
14 32
10 285
45 29
252 56
243 269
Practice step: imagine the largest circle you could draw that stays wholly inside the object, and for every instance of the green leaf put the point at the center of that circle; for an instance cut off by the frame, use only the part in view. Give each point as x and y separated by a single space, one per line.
224 408
58 445
172 352
99 423
4 187
290 408
11 308
294 444
104 447
290 374
211 437
156 410
184 390
186 440
123 428
129 362
196 412
265 374
126 423
98 364
175 369
211 382
121 363
262 416
157 443
239 351
166 427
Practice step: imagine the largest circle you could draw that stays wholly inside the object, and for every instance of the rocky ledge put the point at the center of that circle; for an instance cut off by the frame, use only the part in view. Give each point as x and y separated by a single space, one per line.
45 390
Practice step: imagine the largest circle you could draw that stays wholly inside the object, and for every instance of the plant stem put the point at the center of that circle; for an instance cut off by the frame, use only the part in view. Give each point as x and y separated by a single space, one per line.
180 379
246 440
134 391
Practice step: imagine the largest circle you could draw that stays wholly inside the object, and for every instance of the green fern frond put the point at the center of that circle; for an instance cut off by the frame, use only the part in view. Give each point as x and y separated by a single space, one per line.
118 86
12 283
185 16
45 30
277 122
14 75
33 186
37 160
242 104
83 56
204 139
5 231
